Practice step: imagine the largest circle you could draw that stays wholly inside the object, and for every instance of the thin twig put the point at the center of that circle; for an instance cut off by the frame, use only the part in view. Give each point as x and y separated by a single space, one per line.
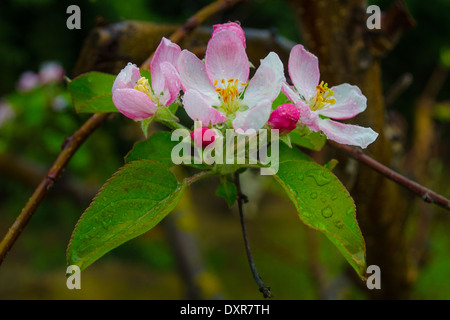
241 199
71 144
427 195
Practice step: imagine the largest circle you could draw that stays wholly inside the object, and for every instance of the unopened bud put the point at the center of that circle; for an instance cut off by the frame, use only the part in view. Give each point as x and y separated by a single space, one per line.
284 118
203 137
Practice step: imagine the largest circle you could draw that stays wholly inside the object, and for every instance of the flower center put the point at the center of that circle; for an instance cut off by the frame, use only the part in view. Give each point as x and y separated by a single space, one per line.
323 97
143 86
229 93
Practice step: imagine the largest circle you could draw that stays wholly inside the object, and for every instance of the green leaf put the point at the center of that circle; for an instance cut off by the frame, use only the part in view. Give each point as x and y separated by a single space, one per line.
133 201
286 139
227 190
91 92
157 147
281 99
144 126
323 204
330 165
310 139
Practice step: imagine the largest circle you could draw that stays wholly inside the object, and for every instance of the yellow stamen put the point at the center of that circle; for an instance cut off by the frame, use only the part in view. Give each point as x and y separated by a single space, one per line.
323 97
143 86
229 93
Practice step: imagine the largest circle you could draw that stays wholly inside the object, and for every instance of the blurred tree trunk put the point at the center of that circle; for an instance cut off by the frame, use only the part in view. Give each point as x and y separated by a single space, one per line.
336 31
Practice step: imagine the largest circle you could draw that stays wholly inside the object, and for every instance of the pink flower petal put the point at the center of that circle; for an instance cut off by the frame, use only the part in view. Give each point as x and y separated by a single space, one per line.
134 104
231 26
167 51
266 83
127 77
254 118
347 133
193 76
349 102
172 84
290 92
198 108
226 58
304 71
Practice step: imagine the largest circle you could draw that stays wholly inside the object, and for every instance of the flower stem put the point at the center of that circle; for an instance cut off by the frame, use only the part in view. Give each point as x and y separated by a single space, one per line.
265 290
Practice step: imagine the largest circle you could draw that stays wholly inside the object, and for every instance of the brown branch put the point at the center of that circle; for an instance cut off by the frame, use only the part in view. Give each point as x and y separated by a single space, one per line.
265 290
194 21
427 195
71 144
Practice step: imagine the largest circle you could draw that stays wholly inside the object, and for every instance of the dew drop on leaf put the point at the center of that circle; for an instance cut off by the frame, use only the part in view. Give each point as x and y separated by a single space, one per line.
339 224
313 195
320 177
327 212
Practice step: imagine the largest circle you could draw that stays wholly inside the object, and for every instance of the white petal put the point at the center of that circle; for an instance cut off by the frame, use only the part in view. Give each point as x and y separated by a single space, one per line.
290 92
193 76
198 108
254 118
347 133
266 83
127 77
349 102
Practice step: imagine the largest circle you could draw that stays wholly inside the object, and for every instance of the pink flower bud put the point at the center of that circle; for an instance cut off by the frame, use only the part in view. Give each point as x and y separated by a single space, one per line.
203 137
284 118
230 26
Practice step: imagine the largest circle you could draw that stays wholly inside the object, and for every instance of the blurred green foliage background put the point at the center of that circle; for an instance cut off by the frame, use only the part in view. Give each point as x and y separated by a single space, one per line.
286 252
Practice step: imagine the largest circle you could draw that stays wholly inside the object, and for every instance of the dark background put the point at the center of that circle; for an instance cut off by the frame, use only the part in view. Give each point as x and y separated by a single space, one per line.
287 253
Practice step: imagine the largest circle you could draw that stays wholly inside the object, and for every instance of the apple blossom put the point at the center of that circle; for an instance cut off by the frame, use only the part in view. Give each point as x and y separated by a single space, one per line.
135 97
213 91
317 102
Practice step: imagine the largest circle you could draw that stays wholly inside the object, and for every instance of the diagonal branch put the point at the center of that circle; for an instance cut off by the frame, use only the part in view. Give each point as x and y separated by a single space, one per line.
69 147
71 144
427 195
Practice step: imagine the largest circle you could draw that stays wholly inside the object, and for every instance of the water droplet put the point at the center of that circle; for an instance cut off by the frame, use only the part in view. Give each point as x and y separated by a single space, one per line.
327 212
320 177
301 176
339 224
313 195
